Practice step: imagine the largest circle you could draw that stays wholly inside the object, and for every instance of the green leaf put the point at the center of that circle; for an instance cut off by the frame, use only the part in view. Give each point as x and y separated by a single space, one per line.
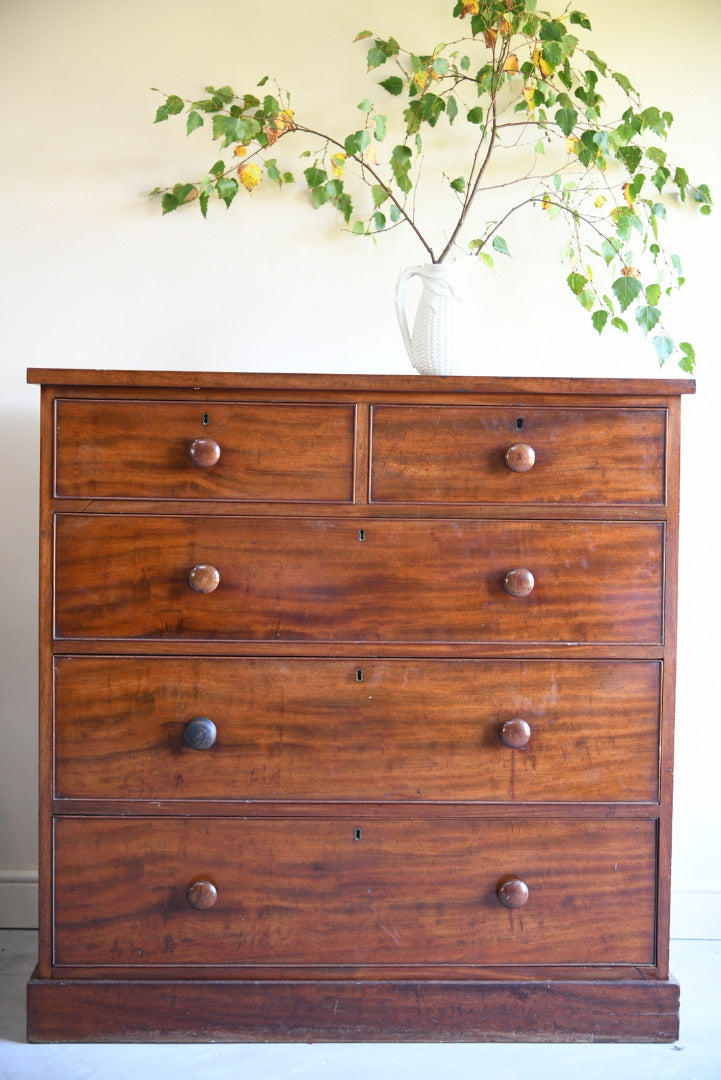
664 347
203 200
380 129
218 169
647 316
576 282
227 188
653 294
620 325
688 362
579 19
380 194
551 31
587 298
394 85
552 54
271 106
171 107
459 184
610 249
379 220
356 143
451 109
475 116
169 203
366 105
631 157
401 158
195 120
626 289
315 177
623 82
500 245
599 319
597 61
566 120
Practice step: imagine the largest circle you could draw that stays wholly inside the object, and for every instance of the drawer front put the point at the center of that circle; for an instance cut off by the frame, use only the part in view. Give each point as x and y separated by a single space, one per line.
458 454
277 579
146 450
376 730
351 892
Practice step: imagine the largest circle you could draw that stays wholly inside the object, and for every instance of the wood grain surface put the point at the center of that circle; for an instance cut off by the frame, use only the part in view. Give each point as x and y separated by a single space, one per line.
356 730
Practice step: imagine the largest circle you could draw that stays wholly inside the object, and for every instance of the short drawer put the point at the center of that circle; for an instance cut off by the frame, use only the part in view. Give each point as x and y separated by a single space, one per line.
455 454
281 579
350 891
374 730
250 451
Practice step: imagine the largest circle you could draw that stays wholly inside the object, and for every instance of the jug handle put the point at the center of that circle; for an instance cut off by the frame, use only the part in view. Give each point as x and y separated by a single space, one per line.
403 279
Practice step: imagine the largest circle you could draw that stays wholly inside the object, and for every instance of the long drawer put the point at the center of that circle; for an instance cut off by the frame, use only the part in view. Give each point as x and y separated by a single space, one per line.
351 892
375 730
290 579
457 453
204 450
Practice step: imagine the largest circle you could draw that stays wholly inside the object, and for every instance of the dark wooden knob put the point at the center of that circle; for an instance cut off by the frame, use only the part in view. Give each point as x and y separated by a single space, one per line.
512 892
516 733
520 457
204 578
519 582
204 453
202 894
200 733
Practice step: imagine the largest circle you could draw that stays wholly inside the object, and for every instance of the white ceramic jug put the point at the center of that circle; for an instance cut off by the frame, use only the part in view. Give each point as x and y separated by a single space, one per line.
436 346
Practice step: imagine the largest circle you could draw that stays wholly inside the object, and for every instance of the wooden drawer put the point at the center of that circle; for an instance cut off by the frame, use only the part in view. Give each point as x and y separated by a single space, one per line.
327 580
592 456
353 892
142 450
375 730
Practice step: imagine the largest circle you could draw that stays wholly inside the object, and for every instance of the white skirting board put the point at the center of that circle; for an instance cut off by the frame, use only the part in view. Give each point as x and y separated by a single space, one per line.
695 913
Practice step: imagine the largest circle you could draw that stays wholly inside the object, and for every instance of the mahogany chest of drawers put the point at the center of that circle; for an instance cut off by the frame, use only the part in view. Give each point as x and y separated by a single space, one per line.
356 707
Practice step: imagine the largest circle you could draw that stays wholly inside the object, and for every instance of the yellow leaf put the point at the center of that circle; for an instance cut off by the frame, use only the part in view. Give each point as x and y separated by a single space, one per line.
546 202
511 64
528 95
600 201
287 120
589 273
250 176
631 271
336 163
470 7
240 150
627 194
505 27
371 156
572 144
490 36
540 63
421 79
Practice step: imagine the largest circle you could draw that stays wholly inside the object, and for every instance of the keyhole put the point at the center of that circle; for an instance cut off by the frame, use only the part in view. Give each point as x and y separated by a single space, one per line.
358 834
359 675
361 534
519 423
206 419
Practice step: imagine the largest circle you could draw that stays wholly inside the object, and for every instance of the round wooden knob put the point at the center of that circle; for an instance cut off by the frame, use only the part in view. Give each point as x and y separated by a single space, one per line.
516 733
204 453
512 892
520 457
519 582
202 895
204 578
200 733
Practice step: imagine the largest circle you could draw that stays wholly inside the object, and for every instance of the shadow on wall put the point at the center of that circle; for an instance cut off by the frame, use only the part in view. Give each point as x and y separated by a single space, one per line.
19 452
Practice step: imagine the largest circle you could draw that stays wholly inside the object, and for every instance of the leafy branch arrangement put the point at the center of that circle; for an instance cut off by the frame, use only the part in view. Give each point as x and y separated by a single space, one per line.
517 87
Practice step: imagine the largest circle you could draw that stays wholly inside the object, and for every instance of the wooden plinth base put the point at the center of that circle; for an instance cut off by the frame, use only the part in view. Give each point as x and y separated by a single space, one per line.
351 1011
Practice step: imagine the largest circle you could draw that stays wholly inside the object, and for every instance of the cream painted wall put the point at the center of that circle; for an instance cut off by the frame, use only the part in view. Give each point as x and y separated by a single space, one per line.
92 276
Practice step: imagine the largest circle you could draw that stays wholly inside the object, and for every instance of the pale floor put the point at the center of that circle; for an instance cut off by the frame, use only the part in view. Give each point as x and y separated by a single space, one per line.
697 1055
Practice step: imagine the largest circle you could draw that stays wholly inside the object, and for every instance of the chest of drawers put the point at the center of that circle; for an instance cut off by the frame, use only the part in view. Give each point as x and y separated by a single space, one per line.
356 707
